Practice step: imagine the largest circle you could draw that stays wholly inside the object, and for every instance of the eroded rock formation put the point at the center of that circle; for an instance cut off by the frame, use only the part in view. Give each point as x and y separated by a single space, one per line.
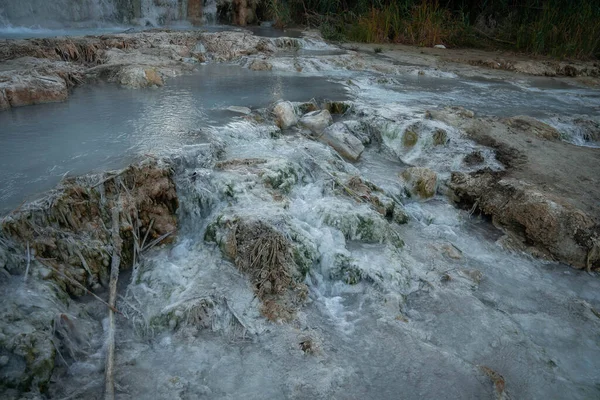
546 198
65 247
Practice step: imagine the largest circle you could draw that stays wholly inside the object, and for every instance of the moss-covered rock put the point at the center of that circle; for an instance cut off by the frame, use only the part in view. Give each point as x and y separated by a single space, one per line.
27 332
345 269
391 209
285 114
410 137
440 137
421 182
337 107
303 250
303 108
280 175
360 223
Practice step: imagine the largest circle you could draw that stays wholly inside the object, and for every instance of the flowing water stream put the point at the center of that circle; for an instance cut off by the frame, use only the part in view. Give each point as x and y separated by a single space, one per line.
402 329
411 311
107 127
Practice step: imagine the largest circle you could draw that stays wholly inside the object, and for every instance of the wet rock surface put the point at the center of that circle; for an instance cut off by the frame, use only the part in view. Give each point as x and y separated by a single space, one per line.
307 265
285 114
548 223
68 228
36 71
587 72
67 248
343 141
547 196
422 182
316 121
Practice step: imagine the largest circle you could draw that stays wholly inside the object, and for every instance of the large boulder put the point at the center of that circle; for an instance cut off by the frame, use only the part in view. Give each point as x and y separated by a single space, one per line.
532 126
343 141
27 349
590 130
4 104
285 114
547 222
358 222
27 90
421 182
139 77
260 65
316 121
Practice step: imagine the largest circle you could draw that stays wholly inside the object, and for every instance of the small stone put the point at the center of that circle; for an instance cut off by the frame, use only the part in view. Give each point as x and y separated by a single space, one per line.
316 121
44 273
4 361
240 110
260 65
474 158
451 252
285 114
474 275
439 46
153 77
422 182
343 141
410 138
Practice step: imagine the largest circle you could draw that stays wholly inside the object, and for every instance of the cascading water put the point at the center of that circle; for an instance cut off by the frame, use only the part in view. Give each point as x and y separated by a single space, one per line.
20 16
210 11
58 13
164 12
399 297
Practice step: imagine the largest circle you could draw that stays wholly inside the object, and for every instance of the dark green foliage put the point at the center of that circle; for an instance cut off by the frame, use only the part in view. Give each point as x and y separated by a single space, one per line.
561 28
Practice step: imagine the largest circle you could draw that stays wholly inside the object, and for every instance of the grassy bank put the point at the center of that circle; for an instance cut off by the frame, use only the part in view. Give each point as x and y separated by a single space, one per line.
559 28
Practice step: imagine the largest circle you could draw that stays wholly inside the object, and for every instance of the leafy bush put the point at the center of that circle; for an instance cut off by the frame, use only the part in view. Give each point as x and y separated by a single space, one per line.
561 28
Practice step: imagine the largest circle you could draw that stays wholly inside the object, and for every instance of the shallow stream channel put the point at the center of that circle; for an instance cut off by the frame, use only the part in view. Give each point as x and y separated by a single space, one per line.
304 265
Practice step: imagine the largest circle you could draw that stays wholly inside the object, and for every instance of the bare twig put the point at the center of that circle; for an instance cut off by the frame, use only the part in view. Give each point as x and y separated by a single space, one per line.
109 388
28 263
78 393
83 262
493 38
456 247
472 210
157 241
79 285
147 233
109 178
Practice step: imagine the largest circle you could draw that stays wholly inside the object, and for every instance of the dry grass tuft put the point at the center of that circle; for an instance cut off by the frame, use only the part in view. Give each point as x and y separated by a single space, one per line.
266 255
497 380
